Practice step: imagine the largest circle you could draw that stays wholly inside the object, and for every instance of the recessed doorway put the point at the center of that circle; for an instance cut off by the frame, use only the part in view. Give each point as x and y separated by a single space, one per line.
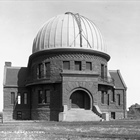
80 99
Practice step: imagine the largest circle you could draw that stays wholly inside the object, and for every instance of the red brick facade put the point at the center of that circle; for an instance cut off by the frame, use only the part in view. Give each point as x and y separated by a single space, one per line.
62 83
68 70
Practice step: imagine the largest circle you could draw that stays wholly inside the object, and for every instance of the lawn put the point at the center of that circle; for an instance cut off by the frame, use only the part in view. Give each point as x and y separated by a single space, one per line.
112 130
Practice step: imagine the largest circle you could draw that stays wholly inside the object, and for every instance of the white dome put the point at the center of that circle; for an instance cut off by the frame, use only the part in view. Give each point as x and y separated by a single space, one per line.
69 31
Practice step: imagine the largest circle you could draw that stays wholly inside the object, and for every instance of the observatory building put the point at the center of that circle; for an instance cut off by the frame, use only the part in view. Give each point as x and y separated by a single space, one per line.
67 76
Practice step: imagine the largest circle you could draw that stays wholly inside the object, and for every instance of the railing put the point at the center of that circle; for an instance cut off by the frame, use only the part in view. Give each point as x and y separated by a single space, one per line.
108 80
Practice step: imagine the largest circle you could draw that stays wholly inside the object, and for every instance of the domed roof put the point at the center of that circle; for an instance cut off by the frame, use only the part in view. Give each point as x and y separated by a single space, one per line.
69 31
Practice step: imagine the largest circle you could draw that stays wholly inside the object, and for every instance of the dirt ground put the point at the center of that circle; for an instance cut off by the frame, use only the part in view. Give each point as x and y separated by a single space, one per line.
29 130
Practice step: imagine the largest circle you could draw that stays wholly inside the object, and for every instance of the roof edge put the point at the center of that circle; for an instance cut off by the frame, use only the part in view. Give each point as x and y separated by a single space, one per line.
4 76
121 78
6 68
119 73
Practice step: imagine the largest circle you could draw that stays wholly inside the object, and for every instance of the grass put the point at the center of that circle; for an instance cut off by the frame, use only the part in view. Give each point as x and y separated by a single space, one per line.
116 130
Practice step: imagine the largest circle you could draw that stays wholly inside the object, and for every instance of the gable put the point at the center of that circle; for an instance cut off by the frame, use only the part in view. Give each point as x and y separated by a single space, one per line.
118 80
15 76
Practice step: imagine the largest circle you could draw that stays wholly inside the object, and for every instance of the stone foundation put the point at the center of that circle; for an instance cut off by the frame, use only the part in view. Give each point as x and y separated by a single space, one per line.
43 114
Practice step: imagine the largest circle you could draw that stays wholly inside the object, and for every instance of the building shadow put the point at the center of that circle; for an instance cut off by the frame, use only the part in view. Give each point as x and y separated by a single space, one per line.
56 102
21 107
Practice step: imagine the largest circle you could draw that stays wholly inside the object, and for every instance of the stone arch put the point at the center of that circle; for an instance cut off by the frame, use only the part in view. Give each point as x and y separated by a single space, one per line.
81 98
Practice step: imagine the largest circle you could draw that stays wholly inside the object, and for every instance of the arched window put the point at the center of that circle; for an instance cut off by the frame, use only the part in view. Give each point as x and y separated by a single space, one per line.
40 97
47 96
102 71
43 96
40 70
25 98
19 98
47 69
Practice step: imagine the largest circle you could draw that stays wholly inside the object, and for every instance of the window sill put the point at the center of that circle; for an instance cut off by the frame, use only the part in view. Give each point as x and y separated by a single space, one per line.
44 78
112 102
74 72
103 104
43 104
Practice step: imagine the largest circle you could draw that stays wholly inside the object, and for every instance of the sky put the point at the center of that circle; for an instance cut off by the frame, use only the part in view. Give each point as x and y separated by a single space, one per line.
118 21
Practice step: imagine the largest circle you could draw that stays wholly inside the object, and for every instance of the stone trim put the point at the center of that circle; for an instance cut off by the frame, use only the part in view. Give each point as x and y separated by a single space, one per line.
79 73
85 90
60 51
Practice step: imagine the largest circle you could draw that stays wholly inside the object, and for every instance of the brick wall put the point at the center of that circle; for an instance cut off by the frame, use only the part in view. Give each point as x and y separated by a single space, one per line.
10 110
47 111
62 84
69 83
113 106
56 61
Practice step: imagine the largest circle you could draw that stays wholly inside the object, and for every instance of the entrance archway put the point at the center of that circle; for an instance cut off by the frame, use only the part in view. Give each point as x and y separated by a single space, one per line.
80 99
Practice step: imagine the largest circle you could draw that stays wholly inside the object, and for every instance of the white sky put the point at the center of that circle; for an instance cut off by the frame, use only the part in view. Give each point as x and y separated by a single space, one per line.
118 21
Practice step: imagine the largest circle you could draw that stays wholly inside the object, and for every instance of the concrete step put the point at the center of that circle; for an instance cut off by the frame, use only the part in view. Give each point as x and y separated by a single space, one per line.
81 115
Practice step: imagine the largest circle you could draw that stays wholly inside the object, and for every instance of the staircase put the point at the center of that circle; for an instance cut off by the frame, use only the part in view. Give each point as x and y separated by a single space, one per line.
81 115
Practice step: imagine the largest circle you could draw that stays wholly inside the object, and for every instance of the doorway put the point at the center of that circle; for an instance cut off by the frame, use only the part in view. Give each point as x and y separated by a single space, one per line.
80 99
19 115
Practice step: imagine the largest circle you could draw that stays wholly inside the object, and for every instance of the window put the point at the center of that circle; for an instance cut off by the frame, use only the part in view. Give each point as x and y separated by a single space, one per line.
19 98
113 96
78 65
40 70
40 97
88 66
66 65
33 72
102 97
119 99
12 97
113 115
44 97
19 115
105 71
108 99
47 96
102 71
25 98
47 69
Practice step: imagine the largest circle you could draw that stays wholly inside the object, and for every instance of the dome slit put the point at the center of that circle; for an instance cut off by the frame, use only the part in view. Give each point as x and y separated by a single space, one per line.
87 41
77 18
34 46
41 42
49 33
62 31
74 39
55 32
96 35
91 33
101 40
68 31
45 35
74 30
38 39
86 34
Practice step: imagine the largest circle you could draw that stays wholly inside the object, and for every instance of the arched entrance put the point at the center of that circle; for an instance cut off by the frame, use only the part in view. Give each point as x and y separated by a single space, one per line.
80 99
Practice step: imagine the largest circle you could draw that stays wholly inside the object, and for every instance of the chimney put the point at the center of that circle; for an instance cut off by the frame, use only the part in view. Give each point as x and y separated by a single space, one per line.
8 64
